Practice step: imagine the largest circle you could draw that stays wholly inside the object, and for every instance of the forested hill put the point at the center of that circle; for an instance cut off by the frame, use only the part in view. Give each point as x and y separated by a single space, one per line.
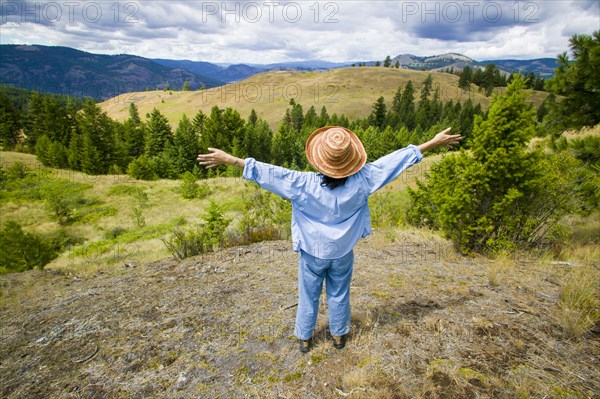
65 70
350 91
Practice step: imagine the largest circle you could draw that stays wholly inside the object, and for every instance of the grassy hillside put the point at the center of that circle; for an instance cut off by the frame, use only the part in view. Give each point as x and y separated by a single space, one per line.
165 210
117 317
349 91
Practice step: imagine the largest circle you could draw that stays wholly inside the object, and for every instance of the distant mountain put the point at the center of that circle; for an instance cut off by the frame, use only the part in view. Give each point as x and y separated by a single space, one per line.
237 72
311 65
542 66
432 63
65 70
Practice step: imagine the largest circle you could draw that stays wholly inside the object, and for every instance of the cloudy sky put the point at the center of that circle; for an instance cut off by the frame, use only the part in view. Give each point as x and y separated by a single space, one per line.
279 31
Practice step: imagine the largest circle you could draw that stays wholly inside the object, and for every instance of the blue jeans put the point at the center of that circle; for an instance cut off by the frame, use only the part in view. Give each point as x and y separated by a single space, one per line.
311 273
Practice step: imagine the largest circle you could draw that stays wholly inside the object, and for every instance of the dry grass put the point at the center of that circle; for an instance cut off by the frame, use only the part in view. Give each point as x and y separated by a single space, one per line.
165 206
348 91
425 324
579 308
586 131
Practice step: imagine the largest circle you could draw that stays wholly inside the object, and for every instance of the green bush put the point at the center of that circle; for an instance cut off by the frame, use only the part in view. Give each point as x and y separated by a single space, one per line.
62 197
17 170
189 187
209 236
501 195
24 251
141 169
114 232
587 150
265 216
183 243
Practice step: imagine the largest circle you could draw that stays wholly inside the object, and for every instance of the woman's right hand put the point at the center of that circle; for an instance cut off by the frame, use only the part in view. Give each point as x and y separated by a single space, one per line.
443 139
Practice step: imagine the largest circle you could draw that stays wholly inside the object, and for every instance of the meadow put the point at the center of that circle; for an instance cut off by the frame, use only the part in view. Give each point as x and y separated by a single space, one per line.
348 91
116 316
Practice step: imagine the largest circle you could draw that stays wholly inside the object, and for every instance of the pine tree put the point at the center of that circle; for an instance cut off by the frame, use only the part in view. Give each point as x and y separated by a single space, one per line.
426 90
198 123
90 157
264 138
35 125
437 108
372 140
10 123
323 117
233 128
211 128
579 81
406 109
56 122
489 79
284 150
311 118
158 133
423 113
387 62
121 157
97 130
253 118
43 150
61 155
501 195
134 136
296 118
134 115
378 113
187 145
464 82
75 147
397 101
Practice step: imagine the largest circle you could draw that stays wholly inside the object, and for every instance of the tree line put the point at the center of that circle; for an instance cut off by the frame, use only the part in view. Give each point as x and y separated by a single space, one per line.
485 78
66 132
77 134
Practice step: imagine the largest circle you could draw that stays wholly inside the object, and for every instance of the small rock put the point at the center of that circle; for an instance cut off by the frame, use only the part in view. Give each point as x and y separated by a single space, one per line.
161 367
181 381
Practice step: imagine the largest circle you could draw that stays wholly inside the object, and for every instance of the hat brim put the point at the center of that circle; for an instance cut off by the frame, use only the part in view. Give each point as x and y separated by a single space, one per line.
335 171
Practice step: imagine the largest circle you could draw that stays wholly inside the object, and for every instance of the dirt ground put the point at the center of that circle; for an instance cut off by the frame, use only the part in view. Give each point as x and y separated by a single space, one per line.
426 323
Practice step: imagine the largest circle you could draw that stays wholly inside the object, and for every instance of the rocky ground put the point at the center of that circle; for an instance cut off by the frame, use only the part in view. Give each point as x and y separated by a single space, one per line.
427 323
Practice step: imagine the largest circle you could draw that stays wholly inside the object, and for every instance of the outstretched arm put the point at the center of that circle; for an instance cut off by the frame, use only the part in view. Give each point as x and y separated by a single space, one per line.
442 139
218 157
281 181
387 168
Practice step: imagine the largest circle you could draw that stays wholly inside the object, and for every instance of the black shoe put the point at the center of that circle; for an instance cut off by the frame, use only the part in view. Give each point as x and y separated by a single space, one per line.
339 342
305 345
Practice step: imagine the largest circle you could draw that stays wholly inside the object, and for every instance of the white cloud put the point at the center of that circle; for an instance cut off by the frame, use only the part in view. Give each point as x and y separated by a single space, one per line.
276 31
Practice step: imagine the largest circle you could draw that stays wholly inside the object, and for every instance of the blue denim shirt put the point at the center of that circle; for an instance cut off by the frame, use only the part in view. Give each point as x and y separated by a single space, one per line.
328 223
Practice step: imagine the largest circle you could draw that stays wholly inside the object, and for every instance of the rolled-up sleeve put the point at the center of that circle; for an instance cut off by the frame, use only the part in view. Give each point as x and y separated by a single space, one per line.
286 183
387 168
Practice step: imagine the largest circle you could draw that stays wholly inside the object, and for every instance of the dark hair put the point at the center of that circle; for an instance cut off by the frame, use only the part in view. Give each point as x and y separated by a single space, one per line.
331 182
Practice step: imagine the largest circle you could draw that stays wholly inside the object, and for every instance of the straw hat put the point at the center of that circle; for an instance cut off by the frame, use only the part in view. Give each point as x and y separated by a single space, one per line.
335 151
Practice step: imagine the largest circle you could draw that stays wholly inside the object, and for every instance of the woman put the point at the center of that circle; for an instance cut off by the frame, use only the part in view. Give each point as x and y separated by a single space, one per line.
330 213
